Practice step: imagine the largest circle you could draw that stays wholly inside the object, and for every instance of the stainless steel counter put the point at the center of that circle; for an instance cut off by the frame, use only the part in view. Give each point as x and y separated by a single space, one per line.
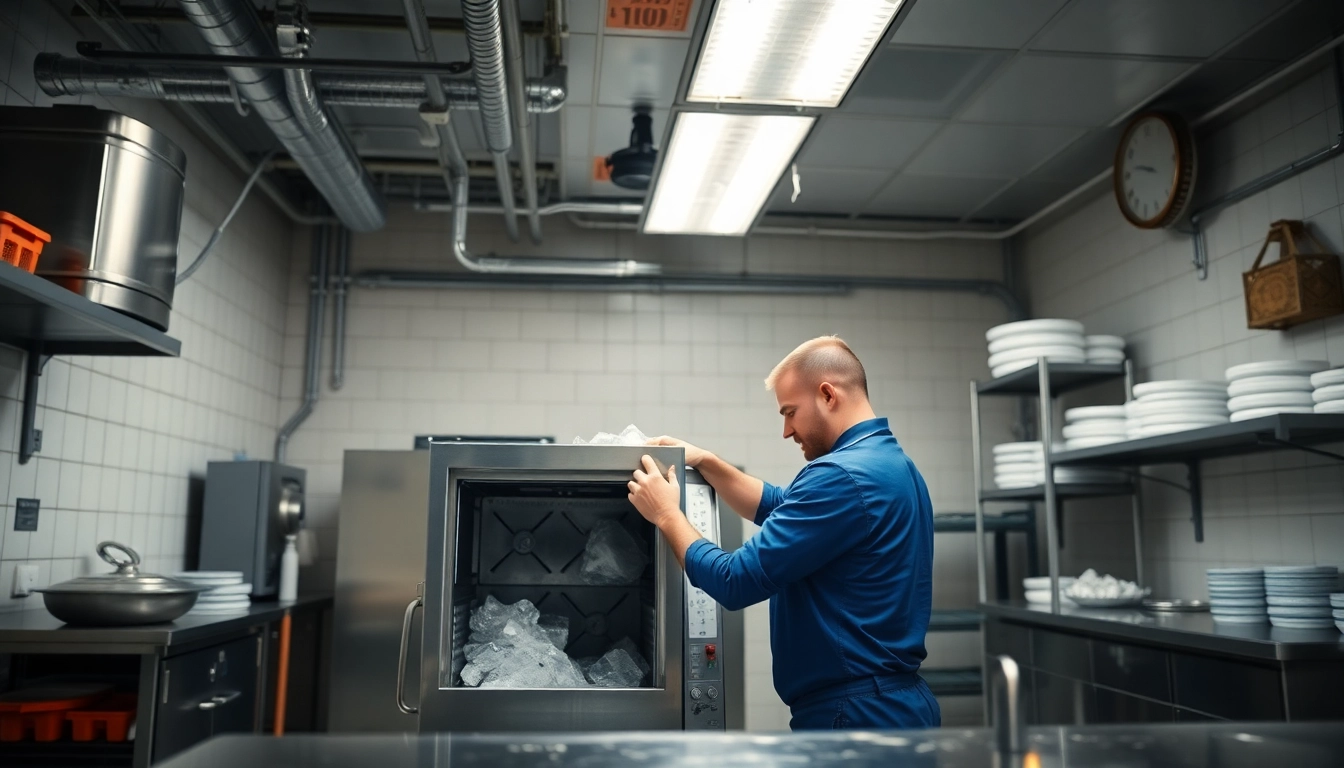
24 631
1190 746
1193 631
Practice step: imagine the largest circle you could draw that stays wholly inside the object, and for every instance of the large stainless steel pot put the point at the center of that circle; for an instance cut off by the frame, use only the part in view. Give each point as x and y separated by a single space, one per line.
109 190
121 598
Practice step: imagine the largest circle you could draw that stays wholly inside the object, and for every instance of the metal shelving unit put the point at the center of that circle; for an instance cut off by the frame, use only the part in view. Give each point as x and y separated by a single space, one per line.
1046 382
44 319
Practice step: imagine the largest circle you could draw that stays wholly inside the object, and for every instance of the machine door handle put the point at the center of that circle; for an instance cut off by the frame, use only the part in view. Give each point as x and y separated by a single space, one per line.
406 620
215 702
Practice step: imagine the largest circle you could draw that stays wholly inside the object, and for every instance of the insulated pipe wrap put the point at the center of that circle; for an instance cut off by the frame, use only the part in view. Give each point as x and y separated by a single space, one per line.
485 40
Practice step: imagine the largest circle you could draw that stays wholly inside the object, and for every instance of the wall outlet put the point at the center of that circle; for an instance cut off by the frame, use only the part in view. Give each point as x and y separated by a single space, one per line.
25 580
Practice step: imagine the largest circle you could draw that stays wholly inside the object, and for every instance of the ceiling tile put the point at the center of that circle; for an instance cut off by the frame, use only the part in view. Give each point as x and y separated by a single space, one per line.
578 124
1084 158
849 142
581 56
919 82
826 190
975 23
941 197
1214 83
1062 90
1025 198
1298 29
611 129
1194 28
641 70
1001 152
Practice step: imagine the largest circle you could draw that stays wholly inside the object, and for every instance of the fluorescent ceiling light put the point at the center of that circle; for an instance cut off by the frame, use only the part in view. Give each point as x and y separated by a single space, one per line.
793 52
719 170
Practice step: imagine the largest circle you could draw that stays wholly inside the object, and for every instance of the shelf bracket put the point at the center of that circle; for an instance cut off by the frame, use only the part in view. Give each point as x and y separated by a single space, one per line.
1196 500
1274 441
30 438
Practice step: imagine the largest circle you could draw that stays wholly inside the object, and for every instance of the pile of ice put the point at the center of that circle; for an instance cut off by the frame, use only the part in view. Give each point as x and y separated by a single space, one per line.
612 556
1091 585
515 646
629 436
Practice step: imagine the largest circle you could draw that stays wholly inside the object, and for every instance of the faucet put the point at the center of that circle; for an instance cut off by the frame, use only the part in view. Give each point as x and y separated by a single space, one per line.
1006 707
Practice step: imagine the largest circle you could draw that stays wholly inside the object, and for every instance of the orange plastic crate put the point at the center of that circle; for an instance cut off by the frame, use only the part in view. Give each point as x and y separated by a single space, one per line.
41 710
111 716
20 242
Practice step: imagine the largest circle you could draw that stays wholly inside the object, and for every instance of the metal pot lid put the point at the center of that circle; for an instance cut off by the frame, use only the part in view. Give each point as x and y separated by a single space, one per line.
127 579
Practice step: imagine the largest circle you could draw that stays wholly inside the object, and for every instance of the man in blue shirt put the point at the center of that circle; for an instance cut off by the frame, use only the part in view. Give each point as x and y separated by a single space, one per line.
844 554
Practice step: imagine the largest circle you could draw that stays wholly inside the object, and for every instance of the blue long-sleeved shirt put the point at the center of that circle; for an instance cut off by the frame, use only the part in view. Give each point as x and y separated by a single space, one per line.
845 555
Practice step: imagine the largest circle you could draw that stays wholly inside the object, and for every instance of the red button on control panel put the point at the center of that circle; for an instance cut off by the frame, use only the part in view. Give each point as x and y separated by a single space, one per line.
710 652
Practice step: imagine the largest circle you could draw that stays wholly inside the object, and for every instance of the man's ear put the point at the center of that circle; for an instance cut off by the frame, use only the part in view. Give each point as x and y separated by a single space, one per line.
828 393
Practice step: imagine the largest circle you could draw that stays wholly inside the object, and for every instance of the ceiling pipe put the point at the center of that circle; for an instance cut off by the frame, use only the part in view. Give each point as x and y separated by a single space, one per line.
522 127
59 75
435 108
485 40
231 27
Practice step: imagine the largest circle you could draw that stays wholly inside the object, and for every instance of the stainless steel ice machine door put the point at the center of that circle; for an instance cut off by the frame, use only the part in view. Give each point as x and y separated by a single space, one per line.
463 478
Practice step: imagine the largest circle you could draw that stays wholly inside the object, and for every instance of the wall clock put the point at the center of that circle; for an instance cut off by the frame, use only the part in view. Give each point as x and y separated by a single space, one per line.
1154 170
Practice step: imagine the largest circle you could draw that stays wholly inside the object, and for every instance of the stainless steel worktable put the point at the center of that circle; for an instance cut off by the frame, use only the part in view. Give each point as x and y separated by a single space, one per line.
23 631
1192 631
1190 746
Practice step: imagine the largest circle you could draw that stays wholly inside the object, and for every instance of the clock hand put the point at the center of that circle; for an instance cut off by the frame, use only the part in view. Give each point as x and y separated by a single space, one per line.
1147 168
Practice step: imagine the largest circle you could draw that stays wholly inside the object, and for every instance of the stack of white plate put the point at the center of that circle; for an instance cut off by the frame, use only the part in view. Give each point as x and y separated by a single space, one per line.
1176 405
1328 391
1104 349
1299 595
1094 425
226 594
1271 386
1014 346
1237 595
1037 589
1022 465
1337 609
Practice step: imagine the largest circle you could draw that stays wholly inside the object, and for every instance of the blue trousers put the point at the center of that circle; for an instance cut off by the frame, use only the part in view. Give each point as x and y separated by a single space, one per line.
876 703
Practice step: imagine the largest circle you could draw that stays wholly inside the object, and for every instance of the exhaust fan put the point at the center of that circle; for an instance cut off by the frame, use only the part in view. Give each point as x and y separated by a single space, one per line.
632 167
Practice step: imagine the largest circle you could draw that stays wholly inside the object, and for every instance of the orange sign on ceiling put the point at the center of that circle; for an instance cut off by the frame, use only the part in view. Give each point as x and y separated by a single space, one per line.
650 15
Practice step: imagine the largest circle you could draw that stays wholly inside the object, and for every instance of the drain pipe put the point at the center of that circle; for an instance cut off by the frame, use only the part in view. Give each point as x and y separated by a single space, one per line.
435 109
522 120
340 287
317 295
485 40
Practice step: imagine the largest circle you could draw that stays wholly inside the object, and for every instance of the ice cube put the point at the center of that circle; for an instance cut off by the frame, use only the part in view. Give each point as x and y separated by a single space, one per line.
556 628
632 436
612 556
628 645
483 660
615 670
489 619
530 660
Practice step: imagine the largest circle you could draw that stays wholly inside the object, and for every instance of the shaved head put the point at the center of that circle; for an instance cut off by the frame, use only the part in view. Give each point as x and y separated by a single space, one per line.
825 358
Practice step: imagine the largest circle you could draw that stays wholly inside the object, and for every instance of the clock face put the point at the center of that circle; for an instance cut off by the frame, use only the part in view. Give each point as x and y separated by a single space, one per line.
1148 167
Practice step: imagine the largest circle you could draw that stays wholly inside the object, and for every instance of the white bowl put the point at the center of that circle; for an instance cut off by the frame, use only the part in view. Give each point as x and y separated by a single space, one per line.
1079 443
1180 385
1018 468
1330 406
1276 368
1097 412
1043 583
1050 353
1270 400
1187 397
1095 429
1044 325
1015 447
1105 341
1328 394
1256 385
1328 378
1224 618
1255 413
1020 340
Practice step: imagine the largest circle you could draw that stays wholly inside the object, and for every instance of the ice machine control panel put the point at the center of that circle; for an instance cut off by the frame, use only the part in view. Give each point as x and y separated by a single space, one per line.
705 708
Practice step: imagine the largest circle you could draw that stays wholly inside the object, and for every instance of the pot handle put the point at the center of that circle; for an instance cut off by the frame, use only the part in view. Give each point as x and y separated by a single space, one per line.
122 565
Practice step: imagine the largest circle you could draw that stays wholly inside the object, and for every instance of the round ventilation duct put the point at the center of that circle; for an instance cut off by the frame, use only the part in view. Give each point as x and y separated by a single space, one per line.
632 167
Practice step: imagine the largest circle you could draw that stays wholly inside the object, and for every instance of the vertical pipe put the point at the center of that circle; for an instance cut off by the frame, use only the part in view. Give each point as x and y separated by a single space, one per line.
977 473
282 674
317 291
1051 511
340 283
485 40
32 380
522 119
1136 498
504 180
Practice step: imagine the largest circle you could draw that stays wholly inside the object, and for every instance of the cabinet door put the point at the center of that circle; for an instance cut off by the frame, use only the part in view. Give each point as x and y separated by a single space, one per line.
204 693
1131 668
1061 701
1230 689
1116 707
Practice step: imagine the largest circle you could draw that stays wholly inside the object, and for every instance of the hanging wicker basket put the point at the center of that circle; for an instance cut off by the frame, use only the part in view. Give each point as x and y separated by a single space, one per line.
1296 289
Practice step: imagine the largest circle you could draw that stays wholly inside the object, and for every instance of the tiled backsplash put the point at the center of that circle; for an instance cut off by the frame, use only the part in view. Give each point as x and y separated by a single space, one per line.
1283 508
126 439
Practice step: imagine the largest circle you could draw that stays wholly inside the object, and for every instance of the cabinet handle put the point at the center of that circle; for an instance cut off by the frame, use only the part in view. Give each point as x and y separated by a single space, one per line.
406 619
219 701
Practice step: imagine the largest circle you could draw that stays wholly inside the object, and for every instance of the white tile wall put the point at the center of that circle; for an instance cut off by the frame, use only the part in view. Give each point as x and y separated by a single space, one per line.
567 364
1281 508
125 438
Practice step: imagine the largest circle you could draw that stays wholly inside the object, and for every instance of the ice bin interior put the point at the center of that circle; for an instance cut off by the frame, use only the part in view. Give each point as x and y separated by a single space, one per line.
519 540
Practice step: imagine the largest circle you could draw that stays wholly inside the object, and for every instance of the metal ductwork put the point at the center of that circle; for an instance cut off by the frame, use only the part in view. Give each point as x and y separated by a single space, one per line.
485 40
59 75
232 28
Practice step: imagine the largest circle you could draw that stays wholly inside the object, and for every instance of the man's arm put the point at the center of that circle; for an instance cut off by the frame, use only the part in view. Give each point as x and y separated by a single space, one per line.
741 491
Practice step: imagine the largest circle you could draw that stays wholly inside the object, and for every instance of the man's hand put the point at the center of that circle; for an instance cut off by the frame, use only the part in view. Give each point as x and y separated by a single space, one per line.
656 497
693 455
